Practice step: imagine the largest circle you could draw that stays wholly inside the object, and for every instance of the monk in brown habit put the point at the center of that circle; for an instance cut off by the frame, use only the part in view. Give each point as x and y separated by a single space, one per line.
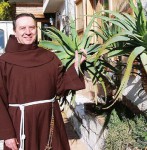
30 78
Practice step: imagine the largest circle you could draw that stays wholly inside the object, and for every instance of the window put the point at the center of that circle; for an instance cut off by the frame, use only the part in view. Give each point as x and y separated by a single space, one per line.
1 40
79 16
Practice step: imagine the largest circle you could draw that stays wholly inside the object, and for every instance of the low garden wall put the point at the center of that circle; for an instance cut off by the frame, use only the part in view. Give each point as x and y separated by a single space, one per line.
88 126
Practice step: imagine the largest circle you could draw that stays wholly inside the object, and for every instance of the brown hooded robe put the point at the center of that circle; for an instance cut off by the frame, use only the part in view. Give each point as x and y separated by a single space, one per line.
29 73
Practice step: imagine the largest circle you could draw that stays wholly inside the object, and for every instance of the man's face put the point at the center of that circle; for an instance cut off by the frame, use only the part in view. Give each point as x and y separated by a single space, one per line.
26 30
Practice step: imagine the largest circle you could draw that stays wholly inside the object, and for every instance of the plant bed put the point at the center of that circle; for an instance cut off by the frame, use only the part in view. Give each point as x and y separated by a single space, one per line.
126 125
126 129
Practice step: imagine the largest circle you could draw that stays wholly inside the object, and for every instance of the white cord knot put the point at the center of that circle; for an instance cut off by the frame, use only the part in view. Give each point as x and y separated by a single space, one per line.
21 107
23 136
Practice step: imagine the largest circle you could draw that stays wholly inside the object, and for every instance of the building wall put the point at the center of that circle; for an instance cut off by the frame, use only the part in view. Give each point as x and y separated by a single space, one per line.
37 10
66 10
6 28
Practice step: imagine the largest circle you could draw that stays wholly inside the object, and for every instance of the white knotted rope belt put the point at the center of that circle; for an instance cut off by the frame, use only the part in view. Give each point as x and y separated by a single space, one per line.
22 108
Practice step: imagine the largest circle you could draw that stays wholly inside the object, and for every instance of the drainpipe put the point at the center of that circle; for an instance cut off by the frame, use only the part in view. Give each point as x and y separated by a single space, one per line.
66 7
66 17
110 5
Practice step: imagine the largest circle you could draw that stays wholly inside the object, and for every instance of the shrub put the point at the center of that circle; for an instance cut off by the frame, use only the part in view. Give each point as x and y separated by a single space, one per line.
126 132
5 11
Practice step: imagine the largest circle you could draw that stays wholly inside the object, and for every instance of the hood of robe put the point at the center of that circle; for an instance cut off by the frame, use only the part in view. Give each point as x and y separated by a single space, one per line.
25 55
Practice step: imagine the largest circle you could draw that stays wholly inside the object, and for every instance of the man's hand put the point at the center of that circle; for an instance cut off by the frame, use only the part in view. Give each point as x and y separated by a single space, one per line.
83 58
12 144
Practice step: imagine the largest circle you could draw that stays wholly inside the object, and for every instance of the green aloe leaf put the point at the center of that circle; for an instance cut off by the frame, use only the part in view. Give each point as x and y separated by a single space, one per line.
86 32
107 64
92 49
66 41
68 63
102 82
130 19
50 45
135 9
62 55
141 24
74 33
119 20
136 52
88 41
99 34
114 21
119 52
143 58
51 35
116 38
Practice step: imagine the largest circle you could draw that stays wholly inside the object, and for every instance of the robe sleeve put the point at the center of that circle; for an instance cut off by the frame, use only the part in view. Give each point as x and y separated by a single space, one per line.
6 127
69 80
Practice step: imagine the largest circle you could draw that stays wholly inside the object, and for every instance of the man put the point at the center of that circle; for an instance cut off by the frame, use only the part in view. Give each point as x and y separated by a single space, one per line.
30 78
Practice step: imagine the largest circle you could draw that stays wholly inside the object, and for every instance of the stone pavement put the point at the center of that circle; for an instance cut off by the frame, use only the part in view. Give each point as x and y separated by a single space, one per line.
1 145
75 142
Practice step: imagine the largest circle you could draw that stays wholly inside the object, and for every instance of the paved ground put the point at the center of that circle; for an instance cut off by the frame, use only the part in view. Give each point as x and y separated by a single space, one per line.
1 145
75 142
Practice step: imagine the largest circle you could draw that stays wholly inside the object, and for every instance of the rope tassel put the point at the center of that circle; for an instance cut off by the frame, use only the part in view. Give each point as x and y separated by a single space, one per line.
49 144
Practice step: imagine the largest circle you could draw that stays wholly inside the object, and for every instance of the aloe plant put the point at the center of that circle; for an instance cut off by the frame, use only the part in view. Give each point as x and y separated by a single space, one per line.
109 69
133 34
65 46
127 36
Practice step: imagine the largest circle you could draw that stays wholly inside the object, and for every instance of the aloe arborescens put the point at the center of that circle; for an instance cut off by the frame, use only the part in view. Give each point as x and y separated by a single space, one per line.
65 46
133 34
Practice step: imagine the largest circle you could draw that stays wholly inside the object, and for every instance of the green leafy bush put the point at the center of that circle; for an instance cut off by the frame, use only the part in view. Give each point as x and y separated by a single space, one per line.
5 11
139 132
126 132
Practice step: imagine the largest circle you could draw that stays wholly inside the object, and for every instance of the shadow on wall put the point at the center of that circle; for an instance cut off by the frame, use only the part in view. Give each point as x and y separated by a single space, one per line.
71 133
87 126
135 93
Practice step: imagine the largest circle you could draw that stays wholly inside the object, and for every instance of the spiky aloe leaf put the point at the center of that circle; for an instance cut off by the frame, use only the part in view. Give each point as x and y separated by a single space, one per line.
86 32
64 46
143 58
116 38
66 41
100 34
56 48
51 36
74 33
119 52
119 20
141 23
51 45
106 64
68 63
130 19
88 41
92 49
135 9
114 21
136 52
102 82
140 17
62 55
